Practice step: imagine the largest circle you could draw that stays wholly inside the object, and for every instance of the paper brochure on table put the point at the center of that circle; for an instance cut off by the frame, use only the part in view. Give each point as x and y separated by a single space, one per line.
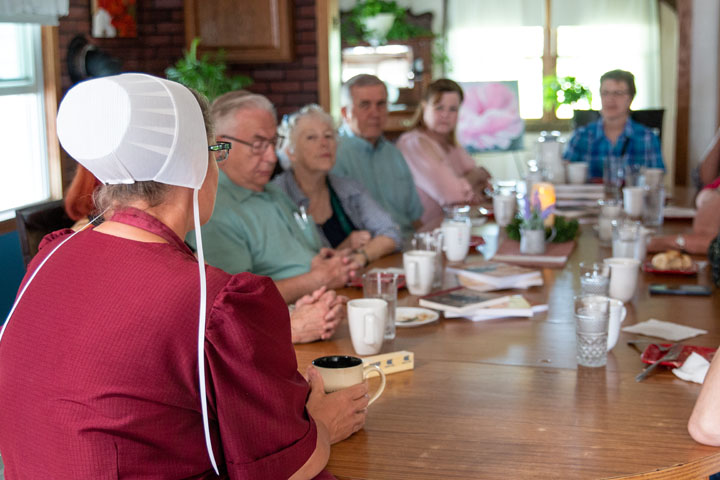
516 306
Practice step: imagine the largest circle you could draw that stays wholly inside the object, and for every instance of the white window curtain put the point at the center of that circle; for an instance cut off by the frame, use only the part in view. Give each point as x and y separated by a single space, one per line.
595 36
493 40
496 40
44 12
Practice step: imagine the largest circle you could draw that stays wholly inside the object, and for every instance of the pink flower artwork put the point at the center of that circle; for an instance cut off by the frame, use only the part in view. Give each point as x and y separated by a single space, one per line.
490 117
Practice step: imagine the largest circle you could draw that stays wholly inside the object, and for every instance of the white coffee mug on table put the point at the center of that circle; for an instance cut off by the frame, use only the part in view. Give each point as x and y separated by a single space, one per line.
367 317
623 277
633 200
618 312
577 172
456 239
419 268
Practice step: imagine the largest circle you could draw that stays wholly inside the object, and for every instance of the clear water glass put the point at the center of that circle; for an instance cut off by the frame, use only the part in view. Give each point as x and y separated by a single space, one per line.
383 285
626 235
594 278
592 314
654 206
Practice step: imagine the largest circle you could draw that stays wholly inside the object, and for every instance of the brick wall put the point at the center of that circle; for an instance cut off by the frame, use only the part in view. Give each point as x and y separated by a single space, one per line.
161 40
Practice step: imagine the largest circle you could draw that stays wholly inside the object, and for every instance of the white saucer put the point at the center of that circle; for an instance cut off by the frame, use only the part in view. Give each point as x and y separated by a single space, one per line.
424 316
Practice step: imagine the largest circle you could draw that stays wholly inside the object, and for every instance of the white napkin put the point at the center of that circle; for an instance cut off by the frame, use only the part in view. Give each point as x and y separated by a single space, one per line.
694 369
666 330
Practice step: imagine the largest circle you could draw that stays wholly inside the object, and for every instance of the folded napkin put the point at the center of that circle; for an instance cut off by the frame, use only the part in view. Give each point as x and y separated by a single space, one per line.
694 369
666 330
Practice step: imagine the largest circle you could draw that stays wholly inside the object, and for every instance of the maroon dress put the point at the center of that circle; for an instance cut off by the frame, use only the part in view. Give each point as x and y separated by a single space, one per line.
98 367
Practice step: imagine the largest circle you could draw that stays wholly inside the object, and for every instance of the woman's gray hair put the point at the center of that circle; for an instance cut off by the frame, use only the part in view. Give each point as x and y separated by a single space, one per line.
116 196
288 126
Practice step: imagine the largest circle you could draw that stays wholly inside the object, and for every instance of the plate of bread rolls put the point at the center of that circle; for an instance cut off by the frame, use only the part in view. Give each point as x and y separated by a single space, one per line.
671 262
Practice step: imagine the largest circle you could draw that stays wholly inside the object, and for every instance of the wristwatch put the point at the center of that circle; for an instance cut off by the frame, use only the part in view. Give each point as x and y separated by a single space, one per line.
680 241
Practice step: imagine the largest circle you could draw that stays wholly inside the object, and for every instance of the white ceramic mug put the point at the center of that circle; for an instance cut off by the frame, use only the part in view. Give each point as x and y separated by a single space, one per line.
504 208
623 277
618 312
577 172
456 239
367 317
342 371
419 268
633 200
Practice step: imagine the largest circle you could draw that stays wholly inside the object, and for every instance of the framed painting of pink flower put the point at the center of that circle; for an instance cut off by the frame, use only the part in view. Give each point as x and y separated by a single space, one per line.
489 117
113 18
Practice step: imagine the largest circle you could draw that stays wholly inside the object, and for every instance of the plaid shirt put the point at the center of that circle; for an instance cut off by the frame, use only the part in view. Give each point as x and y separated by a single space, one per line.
637 145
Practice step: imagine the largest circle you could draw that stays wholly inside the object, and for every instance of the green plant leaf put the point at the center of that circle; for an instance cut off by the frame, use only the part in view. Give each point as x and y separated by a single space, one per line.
207 74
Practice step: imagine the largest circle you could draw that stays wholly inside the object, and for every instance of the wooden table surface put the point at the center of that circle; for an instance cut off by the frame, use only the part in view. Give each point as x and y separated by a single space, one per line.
505 398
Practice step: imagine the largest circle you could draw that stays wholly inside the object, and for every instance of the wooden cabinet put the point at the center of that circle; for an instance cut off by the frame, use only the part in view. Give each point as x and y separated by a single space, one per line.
250 31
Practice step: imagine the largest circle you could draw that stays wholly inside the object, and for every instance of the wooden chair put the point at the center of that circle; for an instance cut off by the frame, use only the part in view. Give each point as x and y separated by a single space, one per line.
36 221
651 118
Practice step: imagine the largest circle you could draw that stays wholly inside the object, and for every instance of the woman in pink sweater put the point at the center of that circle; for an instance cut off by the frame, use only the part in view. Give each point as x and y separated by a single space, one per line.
444 173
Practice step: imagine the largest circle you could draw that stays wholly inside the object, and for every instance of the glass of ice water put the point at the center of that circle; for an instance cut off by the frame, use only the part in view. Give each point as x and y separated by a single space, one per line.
594 278
591 328
383 285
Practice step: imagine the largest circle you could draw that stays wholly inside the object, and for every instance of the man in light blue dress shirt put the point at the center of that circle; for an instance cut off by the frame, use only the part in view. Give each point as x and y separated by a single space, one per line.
365 155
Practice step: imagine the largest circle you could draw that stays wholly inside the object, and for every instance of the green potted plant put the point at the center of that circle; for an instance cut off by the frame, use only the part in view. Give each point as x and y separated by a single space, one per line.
563 91
206 75
376 21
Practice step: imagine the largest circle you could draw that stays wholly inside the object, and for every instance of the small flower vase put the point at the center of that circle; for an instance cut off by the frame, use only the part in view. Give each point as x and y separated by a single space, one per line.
532 241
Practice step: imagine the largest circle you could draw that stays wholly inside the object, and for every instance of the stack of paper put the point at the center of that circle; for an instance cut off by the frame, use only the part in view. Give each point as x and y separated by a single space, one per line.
578 195
487 276
515 306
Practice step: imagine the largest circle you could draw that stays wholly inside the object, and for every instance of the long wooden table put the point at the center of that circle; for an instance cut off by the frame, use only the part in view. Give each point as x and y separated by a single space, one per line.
505 398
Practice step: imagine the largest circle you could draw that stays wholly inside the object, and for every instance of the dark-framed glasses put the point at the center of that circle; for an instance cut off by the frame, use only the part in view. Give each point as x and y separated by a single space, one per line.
614 93
221 150
260 144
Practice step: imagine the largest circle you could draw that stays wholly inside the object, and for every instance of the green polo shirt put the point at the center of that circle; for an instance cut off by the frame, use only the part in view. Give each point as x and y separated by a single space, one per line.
384 173
257 232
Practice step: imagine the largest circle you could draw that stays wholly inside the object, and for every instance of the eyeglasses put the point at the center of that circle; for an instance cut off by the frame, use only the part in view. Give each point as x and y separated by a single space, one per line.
222 150
613 93
259 146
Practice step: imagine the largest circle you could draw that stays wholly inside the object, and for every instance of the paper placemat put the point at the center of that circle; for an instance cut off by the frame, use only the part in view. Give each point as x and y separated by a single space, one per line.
666 330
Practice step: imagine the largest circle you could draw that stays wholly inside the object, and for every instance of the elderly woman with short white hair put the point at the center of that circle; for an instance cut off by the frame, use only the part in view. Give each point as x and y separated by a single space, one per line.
345 213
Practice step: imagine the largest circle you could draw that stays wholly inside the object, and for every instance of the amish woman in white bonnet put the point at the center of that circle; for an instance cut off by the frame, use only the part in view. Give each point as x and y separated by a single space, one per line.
122 357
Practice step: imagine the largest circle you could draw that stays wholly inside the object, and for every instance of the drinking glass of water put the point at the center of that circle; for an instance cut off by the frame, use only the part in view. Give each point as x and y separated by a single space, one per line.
594 278
383 285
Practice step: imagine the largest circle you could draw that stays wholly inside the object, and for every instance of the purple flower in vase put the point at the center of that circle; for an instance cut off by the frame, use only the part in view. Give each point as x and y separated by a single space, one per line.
533 213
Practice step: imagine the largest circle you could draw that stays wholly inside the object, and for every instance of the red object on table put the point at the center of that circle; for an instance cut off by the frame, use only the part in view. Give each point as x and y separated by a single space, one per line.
648 268
652 353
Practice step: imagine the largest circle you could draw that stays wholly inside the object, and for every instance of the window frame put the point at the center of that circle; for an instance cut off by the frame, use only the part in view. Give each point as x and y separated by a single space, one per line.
50 60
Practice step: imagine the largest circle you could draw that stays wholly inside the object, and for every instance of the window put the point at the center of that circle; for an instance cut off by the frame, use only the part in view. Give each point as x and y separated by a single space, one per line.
24 168
525 40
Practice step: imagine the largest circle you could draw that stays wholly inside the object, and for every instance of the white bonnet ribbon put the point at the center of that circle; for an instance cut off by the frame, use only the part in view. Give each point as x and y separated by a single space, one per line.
201 331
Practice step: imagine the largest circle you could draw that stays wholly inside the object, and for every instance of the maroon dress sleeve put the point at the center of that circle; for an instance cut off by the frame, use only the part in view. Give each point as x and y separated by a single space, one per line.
257 393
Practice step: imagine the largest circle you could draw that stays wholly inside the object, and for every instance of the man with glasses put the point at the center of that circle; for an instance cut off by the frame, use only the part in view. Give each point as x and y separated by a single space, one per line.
615 134
256 228
365 155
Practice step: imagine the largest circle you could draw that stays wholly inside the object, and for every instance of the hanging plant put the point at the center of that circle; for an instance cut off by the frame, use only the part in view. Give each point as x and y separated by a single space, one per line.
354 30
206 75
